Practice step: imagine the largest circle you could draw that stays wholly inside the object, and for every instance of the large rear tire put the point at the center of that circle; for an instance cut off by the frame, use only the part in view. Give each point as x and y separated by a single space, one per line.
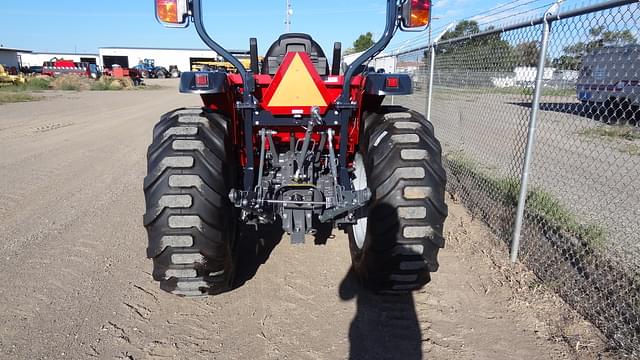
190 221
394 246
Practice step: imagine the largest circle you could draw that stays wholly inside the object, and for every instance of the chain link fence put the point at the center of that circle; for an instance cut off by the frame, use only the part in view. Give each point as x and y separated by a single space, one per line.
581 218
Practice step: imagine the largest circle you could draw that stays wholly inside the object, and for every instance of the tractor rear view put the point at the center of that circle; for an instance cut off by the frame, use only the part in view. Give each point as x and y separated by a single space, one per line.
293 141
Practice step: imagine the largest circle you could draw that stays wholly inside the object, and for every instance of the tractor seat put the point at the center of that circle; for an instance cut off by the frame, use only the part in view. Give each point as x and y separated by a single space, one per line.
294 42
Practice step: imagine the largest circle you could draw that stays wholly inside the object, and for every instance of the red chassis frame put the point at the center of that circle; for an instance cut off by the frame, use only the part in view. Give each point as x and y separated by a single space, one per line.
330 87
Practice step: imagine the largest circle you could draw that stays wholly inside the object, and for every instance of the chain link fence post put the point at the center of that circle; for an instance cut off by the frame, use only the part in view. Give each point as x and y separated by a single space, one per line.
432 66
531 134
432 54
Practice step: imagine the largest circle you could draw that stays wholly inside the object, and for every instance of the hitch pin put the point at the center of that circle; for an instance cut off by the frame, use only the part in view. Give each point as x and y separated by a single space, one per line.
315 112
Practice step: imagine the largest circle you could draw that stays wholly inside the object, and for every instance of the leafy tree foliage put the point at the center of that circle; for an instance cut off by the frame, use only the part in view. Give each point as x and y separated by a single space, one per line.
493 54
487 54
363 42
600 37
527 53
463 28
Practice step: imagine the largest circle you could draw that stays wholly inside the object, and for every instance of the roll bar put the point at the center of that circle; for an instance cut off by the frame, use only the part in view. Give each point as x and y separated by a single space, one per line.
247 77
391 26
392 23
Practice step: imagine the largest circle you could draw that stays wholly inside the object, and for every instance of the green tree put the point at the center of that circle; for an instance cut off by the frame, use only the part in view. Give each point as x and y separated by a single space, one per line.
527 53
363 42
488 53
599 37
567 62
463 28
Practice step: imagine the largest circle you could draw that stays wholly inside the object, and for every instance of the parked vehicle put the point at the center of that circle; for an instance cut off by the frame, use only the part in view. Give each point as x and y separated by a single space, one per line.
7 78
220 65
118 71
34 70
609 80
161 72
58 67
136 77
173 69
148 69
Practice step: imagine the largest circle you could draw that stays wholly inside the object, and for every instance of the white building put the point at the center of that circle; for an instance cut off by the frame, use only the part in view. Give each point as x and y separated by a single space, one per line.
348 59
382 61
529 73
10 57
388 63
37 58
129 56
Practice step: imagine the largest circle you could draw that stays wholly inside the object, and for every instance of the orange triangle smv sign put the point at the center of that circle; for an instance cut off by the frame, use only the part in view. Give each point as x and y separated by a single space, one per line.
297 87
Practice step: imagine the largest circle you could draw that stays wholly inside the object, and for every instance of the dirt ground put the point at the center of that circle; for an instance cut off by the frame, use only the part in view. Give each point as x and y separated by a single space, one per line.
77 284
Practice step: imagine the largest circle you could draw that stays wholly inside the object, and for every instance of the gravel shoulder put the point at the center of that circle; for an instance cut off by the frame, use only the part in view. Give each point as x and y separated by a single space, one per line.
77 284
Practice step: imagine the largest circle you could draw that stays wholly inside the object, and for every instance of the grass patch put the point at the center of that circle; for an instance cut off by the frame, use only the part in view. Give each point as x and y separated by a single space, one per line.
630 149
14 97
100 86
554 213
541 204
526 91
69 83
106 83
149 87
74 83
515 90
34 84
613 132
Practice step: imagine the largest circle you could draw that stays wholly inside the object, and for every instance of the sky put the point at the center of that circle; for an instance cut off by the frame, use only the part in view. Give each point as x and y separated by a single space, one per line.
83 27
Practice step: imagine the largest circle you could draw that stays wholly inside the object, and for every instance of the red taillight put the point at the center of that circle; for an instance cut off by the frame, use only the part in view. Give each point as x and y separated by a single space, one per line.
416 13
202 80
392 82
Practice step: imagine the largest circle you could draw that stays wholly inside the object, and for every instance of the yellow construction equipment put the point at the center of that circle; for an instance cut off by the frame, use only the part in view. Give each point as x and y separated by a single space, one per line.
5 78
222 65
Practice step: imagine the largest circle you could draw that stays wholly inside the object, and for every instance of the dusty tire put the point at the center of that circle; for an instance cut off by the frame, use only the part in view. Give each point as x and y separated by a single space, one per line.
189 219
403 166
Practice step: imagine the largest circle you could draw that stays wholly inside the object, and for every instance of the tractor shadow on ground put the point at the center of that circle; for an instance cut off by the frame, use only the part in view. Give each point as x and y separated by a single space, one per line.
324 233
384 327
256 245
589 111
254 249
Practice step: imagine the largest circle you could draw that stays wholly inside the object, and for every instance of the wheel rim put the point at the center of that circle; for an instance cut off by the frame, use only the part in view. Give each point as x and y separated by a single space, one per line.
359 229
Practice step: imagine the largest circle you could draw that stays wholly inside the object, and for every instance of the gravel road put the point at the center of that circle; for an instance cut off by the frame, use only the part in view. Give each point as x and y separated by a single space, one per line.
77 284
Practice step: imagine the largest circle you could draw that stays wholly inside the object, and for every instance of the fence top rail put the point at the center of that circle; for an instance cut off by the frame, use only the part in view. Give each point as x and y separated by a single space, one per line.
537 21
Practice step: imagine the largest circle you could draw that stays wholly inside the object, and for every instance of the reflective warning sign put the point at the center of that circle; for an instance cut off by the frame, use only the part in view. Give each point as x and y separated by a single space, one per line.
296 87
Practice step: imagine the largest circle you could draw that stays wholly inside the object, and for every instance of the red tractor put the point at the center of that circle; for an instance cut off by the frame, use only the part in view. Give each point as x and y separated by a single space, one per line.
294 142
